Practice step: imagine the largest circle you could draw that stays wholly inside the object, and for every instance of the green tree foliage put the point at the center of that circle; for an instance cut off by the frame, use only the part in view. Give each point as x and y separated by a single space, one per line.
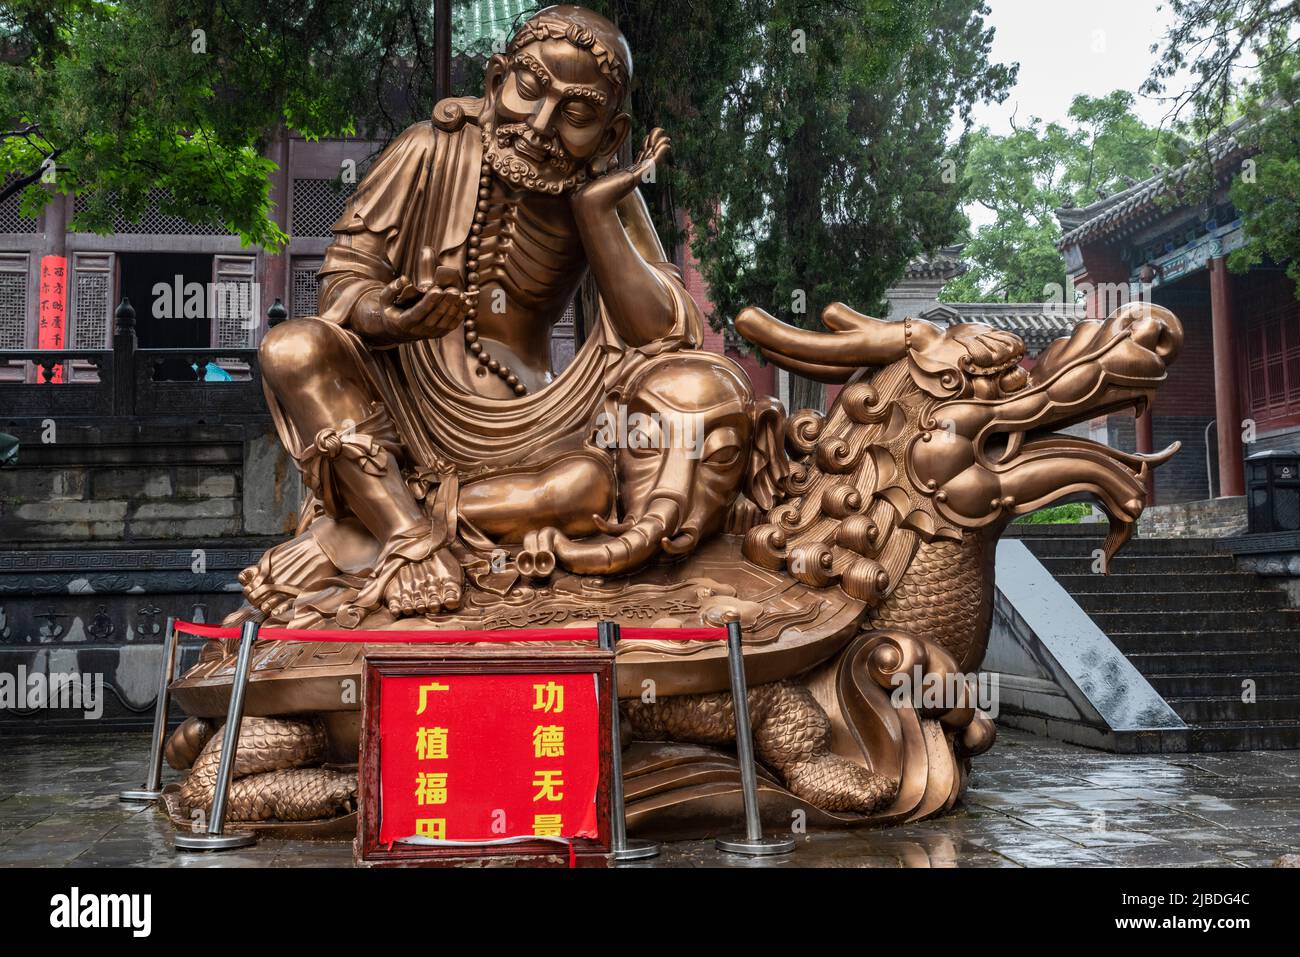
1022 178
810 136
181 96
1267 192
1244 60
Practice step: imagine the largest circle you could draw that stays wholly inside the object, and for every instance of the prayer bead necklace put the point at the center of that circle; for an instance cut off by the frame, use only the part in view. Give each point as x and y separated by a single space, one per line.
472 278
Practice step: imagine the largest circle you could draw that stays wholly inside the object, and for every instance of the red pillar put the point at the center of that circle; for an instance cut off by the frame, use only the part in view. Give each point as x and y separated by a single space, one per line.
1144 440
1227 405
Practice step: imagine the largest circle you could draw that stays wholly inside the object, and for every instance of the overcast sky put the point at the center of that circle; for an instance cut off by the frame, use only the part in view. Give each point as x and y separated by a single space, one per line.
1067 47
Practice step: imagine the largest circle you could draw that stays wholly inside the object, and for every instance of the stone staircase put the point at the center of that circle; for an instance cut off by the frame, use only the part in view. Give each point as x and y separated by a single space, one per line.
1195 627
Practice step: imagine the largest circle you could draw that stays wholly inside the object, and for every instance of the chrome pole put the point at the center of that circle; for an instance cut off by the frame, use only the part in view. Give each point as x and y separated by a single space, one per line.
216 839
621 848
753 844
152 789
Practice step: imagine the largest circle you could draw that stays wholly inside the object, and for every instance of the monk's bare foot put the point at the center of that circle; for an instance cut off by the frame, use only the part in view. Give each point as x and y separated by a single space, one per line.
306 560
425 587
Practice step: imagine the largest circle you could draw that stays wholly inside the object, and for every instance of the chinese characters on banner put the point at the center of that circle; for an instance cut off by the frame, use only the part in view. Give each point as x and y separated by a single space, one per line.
52 315
486 757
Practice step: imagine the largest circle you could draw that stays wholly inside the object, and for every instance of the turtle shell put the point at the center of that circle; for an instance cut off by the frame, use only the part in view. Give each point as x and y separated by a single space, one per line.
788 628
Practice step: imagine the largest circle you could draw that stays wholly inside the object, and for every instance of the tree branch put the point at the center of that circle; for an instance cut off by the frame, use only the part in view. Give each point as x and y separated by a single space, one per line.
22 182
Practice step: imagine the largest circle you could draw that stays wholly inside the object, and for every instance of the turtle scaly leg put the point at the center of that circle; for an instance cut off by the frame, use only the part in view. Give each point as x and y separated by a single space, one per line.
791 735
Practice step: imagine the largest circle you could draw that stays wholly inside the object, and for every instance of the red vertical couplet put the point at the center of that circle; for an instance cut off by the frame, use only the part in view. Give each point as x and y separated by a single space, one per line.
52 316
488 757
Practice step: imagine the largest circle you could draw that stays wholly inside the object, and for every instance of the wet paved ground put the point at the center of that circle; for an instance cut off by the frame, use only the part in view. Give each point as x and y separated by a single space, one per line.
1032 802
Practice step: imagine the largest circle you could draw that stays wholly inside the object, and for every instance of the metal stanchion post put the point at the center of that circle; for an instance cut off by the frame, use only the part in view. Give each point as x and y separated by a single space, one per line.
152 789
753 843
215 839
621 847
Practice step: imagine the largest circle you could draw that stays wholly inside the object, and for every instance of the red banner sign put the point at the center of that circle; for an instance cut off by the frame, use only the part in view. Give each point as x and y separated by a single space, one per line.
487 757
52 315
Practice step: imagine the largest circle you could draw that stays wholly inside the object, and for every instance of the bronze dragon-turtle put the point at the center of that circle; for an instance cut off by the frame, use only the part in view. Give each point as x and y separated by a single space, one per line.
870 557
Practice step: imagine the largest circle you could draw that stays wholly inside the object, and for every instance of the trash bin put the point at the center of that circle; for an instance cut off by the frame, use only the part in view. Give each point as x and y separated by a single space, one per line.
1273 491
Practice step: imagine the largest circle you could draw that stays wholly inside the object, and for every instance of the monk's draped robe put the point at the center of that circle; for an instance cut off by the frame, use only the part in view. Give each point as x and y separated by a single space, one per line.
422 193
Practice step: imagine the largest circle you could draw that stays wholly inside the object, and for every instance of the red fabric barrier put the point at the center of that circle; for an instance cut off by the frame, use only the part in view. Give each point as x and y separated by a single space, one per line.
430 637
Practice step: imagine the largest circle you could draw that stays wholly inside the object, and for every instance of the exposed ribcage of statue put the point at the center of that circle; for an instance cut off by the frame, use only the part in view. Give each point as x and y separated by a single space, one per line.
536 260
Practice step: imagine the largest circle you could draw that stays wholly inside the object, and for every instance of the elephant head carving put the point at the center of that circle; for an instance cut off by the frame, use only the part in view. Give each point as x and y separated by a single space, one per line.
690 439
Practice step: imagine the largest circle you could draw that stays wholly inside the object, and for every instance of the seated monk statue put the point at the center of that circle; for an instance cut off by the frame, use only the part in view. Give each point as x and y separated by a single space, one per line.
421 405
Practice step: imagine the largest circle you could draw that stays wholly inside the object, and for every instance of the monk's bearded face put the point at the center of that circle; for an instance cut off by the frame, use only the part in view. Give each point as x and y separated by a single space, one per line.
550 117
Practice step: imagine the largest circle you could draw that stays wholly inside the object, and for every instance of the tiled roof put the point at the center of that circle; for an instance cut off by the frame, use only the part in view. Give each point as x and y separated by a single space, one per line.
487 19
1134 207
944 264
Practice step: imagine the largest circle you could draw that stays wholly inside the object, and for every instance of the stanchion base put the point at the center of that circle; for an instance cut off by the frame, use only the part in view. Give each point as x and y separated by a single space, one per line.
214 842
637 849
755 847
139 795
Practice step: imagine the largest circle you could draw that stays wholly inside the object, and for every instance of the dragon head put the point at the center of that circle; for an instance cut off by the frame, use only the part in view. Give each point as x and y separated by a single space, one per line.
978 443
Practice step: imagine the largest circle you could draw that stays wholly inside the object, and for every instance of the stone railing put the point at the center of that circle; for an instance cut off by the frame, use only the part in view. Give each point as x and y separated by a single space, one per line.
127 381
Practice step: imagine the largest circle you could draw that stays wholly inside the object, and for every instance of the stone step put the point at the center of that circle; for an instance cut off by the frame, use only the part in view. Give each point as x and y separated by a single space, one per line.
1202 711
1190 642
1263 601
1196 627
1252 664
1256 736
1281 683
1169 582
1145 622
1152 565
1065 547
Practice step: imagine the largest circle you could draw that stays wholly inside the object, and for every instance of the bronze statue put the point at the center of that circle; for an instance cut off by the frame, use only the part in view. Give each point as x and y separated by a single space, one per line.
421 405
457 482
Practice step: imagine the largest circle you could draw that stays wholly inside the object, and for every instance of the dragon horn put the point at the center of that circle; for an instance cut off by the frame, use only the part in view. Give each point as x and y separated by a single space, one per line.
856 340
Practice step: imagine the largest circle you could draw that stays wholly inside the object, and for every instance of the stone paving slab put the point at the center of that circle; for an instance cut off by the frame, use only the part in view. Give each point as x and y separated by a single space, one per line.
1032 802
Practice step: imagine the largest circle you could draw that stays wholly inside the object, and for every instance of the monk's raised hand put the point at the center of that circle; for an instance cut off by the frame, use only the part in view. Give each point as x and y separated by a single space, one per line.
601 195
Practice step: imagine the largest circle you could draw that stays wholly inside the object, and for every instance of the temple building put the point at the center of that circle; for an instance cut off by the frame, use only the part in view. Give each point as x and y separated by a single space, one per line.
1239 372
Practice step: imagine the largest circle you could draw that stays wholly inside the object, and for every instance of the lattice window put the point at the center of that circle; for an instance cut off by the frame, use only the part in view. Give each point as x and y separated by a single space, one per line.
305 291
90 314
1273 354
563 345
11 221
317 205
236 294
155 222
13 304
235 321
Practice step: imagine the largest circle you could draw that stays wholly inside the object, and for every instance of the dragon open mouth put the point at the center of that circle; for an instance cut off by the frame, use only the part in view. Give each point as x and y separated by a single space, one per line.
1117 481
